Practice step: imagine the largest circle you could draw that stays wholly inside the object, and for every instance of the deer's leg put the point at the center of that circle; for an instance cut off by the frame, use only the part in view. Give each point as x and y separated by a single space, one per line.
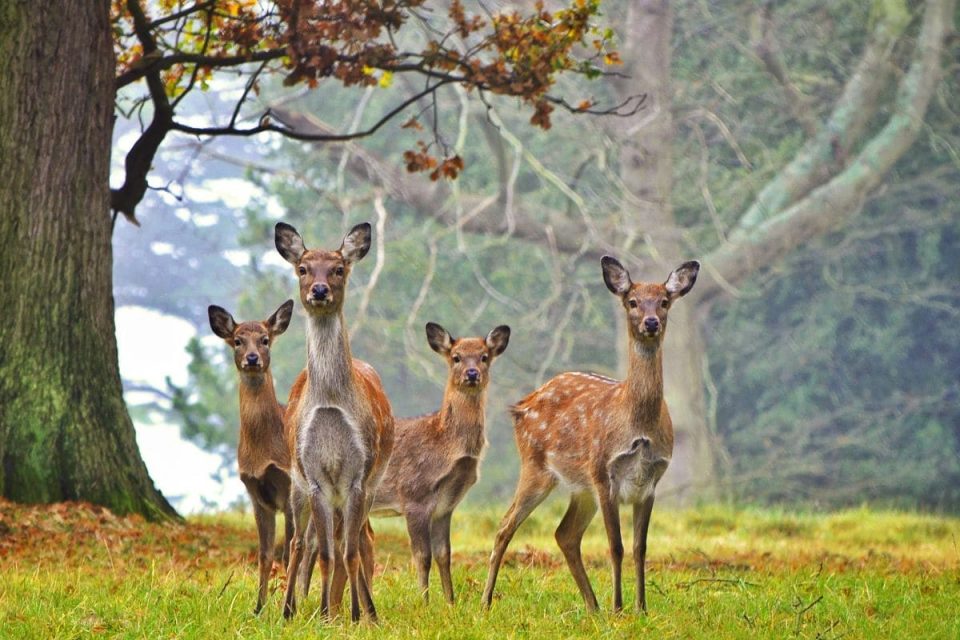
366 553
641 523
298 507
287 532
611 521
440 546
312 547
339 580
532 489
322 513
354 517
569 534
266 533
418 527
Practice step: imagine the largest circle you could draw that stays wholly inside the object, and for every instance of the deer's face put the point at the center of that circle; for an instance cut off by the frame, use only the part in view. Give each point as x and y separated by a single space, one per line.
323 281
250 341
647 304
468 359
322 274
251 347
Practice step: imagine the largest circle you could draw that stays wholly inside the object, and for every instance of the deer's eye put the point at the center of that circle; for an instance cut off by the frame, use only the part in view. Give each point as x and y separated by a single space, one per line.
665 303
484 358
632 303
339 271
236 342
302 270
265 341
456 359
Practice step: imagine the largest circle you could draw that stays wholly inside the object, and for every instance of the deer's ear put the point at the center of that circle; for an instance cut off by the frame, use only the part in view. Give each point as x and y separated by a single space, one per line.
280 319
221 322
682 279
356 243
615 275
438 338
498 339
289 243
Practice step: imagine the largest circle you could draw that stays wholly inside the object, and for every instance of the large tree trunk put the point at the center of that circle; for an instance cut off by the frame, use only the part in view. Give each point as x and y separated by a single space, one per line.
646 170
65 433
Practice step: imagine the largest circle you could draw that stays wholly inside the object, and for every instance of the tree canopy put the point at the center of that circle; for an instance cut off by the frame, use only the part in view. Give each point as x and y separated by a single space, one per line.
355 43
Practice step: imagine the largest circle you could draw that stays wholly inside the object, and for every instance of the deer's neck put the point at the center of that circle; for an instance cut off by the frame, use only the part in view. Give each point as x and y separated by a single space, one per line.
643 387
329 362
261 422
462 419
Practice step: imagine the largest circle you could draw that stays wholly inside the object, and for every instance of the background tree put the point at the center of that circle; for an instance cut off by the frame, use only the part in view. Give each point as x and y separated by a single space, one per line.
64 429
807 141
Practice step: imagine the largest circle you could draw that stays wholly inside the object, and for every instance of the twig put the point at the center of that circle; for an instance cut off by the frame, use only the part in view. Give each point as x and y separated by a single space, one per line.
805 609
225 585
737 581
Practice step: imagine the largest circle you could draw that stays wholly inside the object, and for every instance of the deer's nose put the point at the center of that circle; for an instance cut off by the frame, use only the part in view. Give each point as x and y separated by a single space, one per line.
651 324
472 375
320 291
252 359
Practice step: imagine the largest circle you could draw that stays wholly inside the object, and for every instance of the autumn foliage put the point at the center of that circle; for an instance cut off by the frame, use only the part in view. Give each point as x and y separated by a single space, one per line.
176 46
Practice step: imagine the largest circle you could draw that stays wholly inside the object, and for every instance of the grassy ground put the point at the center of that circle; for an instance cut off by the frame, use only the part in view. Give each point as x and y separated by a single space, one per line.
71 571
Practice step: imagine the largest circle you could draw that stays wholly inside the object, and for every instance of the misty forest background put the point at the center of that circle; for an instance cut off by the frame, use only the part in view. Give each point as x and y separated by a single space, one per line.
827 376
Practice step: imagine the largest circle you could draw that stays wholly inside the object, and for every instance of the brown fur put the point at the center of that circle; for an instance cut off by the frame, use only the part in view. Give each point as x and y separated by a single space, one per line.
263 457
437 456
609 442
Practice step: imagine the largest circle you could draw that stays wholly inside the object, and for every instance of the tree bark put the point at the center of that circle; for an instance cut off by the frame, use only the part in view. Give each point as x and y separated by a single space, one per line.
646 171
65 433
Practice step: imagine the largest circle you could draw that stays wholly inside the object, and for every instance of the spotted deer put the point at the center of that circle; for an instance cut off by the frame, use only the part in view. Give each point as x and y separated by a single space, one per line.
608 441
263 456
437 456
339 420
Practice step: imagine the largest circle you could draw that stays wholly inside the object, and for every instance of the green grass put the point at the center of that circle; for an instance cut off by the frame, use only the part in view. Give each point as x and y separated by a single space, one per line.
76 572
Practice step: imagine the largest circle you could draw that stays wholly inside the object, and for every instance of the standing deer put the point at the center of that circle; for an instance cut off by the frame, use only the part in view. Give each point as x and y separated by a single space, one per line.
338 418
262 454
609 441
436 457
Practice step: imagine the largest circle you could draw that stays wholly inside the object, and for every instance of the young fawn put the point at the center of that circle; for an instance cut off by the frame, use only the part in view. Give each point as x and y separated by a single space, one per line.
262 454
609 441
338 418
436 456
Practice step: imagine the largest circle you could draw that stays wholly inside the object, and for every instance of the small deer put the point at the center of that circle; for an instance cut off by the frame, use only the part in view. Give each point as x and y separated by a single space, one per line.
262 454
436 457
339 420
609 441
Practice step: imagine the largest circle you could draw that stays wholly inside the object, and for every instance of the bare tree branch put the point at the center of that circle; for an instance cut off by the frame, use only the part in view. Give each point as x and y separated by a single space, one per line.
377 267
768 50
840 199
822 156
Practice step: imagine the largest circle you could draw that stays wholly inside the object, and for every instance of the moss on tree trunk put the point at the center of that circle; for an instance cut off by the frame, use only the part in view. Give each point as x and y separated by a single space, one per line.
65 433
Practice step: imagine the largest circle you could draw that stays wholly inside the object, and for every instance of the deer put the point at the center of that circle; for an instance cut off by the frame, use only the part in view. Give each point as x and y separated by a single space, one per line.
610 442
339 422
263 456
436 457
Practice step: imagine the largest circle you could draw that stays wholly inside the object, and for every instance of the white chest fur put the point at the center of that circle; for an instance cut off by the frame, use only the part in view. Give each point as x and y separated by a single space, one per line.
634 472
